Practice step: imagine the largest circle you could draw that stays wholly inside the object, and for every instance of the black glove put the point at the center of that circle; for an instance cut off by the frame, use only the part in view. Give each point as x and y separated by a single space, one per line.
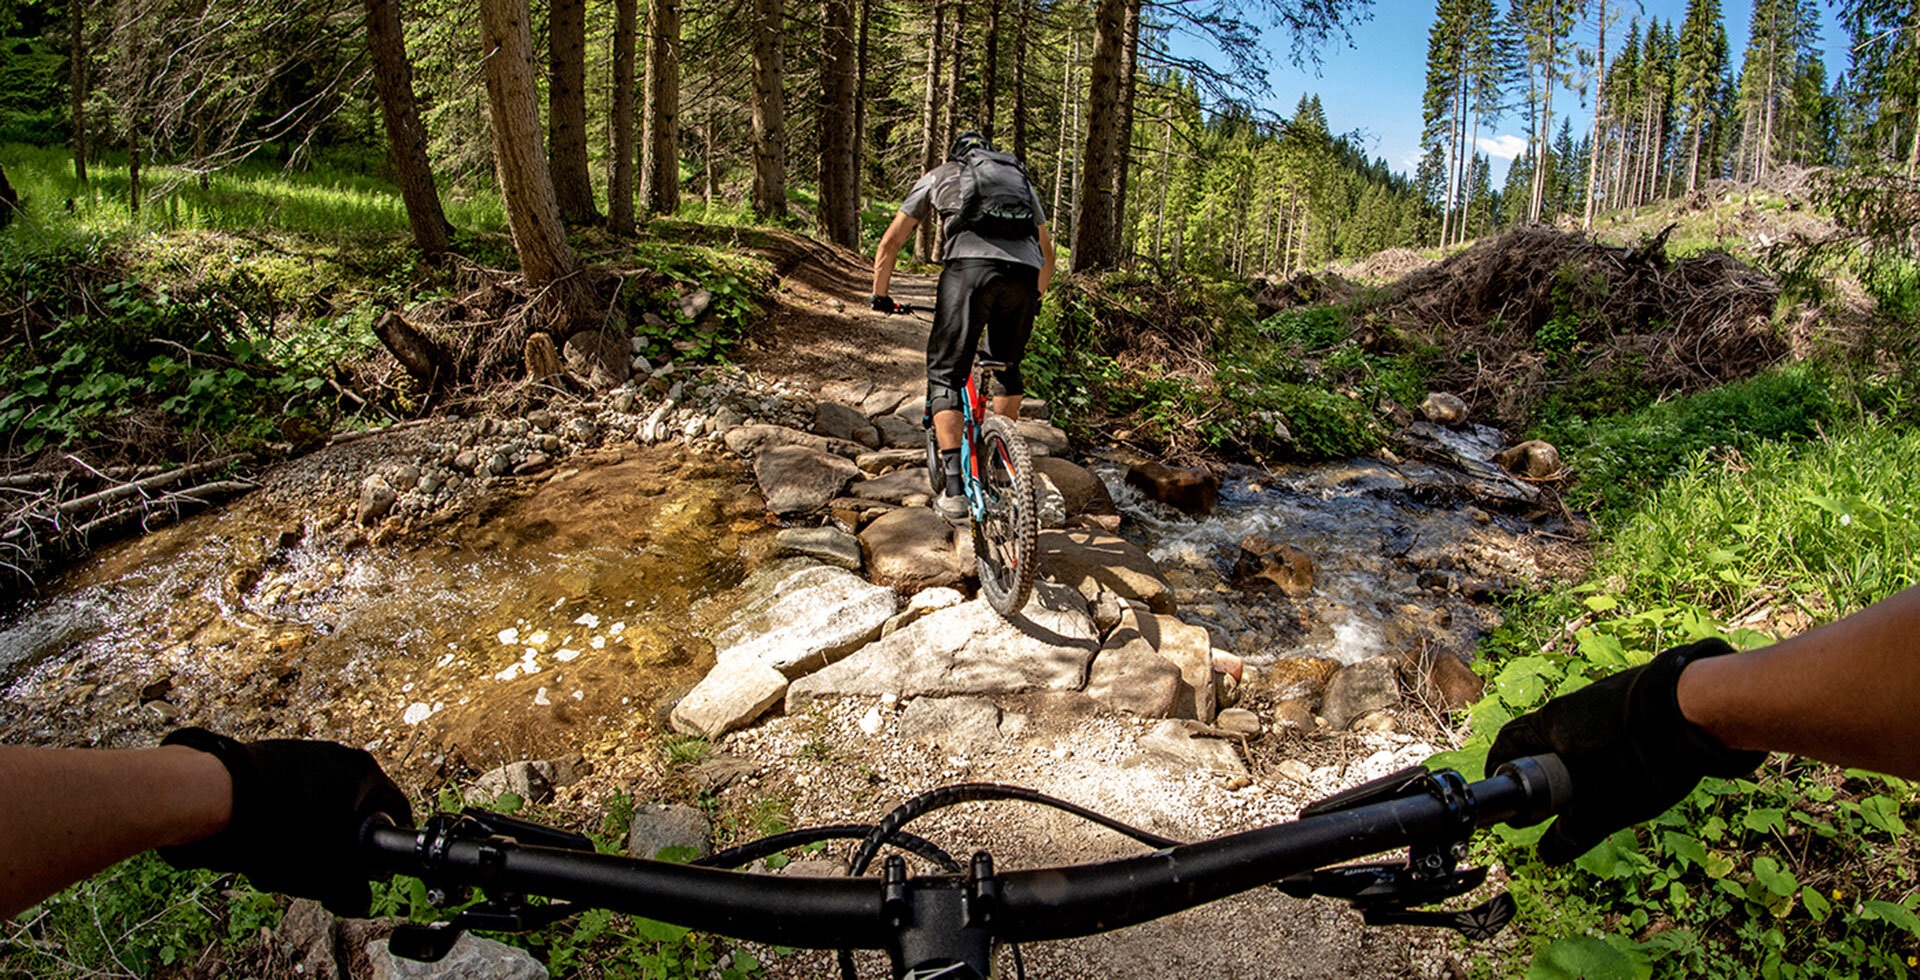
1629 751
886 305
298 809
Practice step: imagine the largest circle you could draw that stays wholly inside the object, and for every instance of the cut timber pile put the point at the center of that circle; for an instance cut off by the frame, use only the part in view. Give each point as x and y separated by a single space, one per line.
1677 325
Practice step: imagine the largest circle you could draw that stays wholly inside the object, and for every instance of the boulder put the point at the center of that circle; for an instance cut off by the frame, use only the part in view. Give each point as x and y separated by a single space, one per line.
828 544
1281 564
895 487
1049 505
1452 684
1081 493
969 650
304 943
1094 561
751 440
1042 439
911 549
1239 721
1360 688
898 432
837 421
376 499
800 622
600 358
846 392
882 401
471 958
888 460
1171 742
1129 677
967 726
1535 458
733 694
1304 678
694 305
1189 648
654 828
1035 408
1442 408
1194 490
1292 713
798 480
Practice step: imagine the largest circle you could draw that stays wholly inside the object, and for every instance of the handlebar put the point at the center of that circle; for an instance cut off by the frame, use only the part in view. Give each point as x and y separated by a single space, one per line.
1429 812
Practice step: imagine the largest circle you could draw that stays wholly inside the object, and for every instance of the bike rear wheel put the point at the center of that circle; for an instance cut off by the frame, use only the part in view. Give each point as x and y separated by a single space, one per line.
1004 538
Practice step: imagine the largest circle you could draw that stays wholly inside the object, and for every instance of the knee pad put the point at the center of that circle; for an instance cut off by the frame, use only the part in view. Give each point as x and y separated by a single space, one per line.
942 398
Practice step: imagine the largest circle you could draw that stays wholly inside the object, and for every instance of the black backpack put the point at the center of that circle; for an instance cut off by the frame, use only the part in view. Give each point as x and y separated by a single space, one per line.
996 200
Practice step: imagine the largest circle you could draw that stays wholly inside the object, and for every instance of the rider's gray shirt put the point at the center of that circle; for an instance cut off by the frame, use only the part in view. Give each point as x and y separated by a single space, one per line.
940 190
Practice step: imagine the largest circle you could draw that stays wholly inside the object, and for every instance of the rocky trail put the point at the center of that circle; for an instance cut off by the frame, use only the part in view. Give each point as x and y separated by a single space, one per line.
719 592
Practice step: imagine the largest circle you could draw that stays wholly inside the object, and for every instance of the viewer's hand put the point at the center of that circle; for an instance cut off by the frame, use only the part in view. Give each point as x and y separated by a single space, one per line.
298 809
886 305
1629 751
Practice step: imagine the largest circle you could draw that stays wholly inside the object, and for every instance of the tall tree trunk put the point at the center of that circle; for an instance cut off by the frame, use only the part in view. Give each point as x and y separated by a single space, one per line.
526 186
626 16
1065 134
133 164
1166 178
860 116
407 138
660 168
839 209
1693 160
567 97
77 82
990 73
952 110
930 119
1020 79
769 109
1129 62
1599 113
1093 222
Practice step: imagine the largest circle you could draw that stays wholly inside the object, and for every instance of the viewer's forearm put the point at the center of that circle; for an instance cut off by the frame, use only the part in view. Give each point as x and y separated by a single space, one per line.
1843 693
72 812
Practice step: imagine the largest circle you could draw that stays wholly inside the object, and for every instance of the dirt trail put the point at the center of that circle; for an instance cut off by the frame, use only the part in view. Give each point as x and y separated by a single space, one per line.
822 330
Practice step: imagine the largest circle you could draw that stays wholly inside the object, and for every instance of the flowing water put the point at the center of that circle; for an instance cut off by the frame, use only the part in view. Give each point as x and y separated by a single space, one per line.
520 630
552 618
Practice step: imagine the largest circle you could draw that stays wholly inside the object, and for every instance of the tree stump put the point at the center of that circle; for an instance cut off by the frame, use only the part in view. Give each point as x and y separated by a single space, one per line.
543 361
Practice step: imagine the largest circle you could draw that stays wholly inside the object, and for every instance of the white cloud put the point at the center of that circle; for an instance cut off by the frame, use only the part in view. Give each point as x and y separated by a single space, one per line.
1504 147
1411 161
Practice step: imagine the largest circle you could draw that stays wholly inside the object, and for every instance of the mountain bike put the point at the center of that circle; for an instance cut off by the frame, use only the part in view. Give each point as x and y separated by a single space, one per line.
997 471
950 923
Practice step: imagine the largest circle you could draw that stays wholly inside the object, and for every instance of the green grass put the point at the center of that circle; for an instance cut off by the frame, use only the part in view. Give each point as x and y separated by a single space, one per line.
324 202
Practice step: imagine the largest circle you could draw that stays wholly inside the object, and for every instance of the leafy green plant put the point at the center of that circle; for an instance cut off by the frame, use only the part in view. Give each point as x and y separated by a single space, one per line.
1803 871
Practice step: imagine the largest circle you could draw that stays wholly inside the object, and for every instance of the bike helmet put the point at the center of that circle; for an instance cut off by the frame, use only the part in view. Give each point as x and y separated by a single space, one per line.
969 140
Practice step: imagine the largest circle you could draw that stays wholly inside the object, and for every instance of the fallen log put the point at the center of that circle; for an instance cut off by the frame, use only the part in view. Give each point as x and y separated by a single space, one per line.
78 504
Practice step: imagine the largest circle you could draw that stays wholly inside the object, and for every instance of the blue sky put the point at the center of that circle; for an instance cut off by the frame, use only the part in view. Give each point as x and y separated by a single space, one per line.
1376 84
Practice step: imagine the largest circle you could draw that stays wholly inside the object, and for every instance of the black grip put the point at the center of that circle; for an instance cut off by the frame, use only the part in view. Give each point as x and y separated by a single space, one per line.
1545 787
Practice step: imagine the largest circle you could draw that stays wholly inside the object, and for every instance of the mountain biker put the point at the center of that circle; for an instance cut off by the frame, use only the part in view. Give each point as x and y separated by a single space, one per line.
991 279
1637 742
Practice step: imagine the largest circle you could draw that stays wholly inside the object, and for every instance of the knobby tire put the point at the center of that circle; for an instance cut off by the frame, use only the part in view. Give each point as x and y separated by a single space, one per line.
1010 527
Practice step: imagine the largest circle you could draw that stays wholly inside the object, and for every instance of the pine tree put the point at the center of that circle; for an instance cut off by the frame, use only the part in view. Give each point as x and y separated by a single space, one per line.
1699 68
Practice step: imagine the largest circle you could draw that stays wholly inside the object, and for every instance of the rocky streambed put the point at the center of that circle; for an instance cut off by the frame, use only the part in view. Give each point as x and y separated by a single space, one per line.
531 604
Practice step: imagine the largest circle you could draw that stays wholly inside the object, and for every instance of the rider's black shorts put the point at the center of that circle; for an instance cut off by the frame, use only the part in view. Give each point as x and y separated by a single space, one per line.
984 302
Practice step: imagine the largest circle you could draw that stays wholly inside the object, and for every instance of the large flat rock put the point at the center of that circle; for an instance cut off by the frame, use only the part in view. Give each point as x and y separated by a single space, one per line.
733 694
911 549
751 440
806 620
798 480
1093 562
969 650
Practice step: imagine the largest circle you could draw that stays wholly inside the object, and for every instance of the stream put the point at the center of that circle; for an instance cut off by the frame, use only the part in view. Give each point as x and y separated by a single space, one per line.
541 620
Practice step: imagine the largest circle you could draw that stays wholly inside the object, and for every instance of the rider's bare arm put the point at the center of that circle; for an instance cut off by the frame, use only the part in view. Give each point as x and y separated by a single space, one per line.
72 812
1046 249
1844 693
898 234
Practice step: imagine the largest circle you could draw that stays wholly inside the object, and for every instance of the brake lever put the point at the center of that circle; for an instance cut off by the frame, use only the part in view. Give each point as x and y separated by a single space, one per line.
508 912
1385 893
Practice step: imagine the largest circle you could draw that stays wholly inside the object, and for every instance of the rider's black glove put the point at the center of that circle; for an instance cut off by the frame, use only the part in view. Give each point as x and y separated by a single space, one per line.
885 304
298 808
1628 750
